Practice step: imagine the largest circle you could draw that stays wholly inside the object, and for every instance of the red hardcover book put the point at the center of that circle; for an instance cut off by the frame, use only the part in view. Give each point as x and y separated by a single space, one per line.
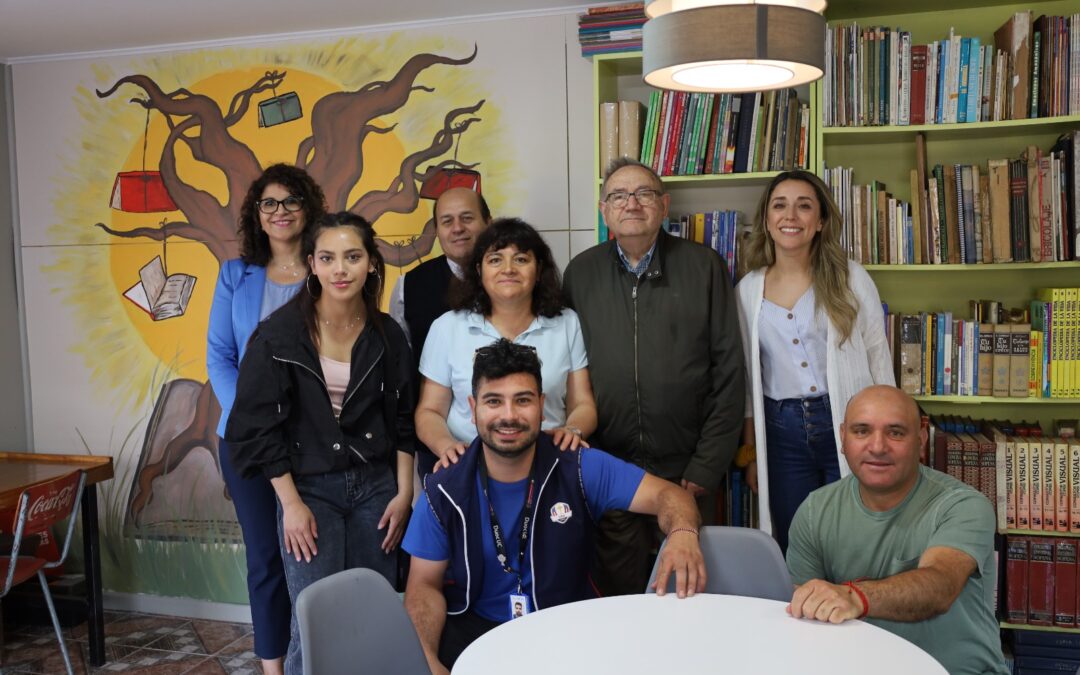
918 84
1041 582
1016 580
970 460
675 134
1065 582
939 459
987 467
954 457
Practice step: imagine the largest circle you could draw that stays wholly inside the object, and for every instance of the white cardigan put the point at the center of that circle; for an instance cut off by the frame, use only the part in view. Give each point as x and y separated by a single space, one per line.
863 360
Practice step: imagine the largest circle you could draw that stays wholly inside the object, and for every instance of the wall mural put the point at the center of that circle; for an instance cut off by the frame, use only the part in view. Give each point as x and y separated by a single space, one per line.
171 146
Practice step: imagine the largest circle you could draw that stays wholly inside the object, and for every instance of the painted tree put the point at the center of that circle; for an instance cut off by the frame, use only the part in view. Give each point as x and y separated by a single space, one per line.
332 155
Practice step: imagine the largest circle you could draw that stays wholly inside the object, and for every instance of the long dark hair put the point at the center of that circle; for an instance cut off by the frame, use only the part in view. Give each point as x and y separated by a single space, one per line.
547 296
372 291
254 244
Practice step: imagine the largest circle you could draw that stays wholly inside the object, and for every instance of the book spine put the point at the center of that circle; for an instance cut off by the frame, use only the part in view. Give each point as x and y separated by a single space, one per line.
1065 583
1061 485
1041 582
1010 483
1016 579
1049 502
1023 485
1035 490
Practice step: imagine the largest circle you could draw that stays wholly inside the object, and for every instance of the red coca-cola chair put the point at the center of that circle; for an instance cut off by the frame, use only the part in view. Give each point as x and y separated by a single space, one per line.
40 507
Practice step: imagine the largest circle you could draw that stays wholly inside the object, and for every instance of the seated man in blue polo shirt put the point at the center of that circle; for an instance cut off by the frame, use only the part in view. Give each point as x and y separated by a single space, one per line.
507 530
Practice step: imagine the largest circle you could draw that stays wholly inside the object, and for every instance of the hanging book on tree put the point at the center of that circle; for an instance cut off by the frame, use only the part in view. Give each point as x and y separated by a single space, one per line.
140 192
159 295
443 179
280 109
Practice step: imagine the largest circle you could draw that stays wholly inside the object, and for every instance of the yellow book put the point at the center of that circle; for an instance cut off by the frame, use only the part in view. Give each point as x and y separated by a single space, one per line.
1055 298
699 227
1072 341
1034 364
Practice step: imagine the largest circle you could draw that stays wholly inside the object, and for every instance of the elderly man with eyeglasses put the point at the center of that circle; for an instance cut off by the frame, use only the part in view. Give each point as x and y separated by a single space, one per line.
659 319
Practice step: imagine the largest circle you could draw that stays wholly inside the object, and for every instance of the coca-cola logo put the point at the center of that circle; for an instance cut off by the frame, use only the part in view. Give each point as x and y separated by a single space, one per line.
61 500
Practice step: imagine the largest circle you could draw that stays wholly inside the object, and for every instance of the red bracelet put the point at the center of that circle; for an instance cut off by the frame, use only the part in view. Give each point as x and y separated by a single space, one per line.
862 597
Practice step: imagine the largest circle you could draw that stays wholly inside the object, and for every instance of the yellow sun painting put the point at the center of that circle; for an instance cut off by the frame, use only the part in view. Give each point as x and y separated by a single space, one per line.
129 352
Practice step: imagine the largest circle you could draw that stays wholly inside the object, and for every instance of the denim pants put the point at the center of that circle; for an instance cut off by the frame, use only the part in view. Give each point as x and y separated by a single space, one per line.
255 501
347 506
801 451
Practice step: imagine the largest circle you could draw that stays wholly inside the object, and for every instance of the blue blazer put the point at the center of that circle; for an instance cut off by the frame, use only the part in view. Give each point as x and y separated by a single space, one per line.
234 315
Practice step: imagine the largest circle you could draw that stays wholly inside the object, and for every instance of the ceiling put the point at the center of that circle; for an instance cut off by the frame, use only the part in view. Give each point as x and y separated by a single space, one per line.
31 29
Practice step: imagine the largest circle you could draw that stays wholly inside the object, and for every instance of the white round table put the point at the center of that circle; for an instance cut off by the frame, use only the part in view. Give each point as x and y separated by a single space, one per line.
704 634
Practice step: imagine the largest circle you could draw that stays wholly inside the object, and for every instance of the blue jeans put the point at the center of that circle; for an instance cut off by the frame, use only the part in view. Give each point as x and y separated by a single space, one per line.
801 451
347 506
255 504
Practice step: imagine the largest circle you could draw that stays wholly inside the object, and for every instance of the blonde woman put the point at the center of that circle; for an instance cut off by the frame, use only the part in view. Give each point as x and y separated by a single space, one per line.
813 336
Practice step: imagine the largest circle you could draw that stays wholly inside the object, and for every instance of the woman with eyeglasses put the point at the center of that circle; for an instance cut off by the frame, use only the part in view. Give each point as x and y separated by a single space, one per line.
511 290
278 207
813 336
324 409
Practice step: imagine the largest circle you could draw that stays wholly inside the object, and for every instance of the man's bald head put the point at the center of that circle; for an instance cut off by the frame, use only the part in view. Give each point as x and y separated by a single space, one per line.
885 395
882 435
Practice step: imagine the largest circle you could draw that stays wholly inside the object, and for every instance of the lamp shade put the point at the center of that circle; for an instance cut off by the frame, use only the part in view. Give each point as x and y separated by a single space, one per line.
733 47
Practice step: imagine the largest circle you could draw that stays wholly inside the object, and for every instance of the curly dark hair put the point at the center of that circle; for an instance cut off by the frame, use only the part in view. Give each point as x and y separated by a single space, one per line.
547 296
254 244
373 286
504 358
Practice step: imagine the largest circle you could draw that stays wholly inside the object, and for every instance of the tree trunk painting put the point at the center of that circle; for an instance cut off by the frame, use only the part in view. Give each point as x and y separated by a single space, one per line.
331 154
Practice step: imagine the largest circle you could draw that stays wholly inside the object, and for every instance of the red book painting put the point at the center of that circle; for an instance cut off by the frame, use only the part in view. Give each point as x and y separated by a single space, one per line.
140 192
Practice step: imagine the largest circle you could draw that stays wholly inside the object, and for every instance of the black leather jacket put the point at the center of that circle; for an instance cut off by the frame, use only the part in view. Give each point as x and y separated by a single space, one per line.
282 420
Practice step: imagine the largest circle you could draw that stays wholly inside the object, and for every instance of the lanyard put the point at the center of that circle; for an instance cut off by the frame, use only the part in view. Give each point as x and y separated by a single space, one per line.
525 518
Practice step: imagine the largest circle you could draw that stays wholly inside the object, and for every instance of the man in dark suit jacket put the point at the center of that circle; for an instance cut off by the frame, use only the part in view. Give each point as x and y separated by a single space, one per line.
419 297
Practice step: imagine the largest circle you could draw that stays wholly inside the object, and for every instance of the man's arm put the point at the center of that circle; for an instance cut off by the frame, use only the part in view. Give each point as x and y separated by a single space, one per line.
724 404
915 595
678 517
426 605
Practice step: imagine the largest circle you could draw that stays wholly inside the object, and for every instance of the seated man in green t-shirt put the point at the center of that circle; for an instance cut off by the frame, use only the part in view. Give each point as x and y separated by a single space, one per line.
906 547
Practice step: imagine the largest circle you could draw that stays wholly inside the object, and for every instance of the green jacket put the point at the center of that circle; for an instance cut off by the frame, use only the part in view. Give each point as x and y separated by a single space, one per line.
665 358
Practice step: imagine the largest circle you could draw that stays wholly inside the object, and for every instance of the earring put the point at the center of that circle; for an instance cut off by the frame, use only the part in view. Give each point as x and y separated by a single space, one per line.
307 285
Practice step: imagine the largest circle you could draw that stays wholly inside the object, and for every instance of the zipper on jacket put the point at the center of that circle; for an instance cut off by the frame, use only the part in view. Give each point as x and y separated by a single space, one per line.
365 376
637 381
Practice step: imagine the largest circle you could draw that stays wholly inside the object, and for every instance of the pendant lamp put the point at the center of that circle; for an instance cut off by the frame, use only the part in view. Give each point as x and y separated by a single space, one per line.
733 45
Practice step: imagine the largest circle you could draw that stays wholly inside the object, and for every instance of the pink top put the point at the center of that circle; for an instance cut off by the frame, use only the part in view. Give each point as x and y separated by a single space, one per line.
336 374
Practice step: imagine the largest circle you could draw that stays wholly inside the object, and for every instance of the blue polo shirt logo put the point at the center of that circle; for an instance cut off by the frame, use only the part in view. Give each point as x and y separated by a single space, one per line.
560 513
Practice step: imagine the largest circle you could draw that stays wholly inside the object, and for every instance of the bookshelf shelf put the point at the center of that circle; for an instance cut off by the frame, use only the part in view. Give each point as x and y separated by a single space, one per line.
1044 533
975 129
1046 629
755 177
992 400
978 267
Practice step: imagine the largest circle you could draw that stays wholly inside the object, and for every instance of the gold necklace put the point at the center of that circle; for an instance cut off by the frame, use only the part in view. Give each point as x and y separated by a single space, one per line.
348 326
292 265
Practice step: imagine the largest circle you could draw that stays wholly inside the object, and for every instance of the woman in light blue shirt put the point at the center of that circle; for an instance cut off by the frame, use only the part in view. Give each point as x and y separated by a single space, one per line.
511 289
279 206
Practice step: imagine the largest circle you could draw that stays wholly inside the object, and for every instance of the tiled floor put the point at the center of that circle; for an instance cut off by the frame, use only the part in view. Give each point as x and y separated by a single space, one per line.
136 643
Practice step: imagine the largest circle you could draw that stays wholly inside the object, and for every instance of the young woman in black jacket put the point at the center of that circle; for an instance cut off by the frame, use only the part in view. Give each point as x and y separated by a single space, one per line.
324 410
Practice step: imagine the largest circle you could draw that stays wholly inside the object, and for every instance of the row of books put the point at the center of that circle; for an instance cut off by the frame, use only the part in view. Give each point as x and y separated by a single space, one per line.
1040 581
719 230
1011 210
942 356
936 354
614 28
1037 652
1029 477
736 504
620 132
875 76
696 133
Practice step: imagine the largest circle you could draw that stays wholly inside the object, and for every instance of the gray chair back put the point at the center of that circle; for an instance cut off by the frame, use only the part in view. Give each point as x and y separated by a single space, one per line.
353 622
741 561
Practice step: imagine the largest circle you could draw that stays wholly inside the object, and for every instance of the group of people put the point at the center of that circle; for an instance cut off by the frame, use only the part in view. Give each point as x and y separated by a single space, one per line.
562 430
